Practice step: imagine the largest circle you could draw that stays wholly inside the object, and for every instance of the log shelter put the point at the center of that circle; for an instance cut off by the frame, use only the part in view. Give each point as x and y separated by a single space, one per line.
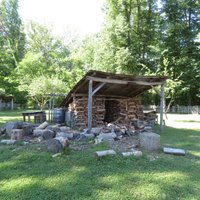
96 86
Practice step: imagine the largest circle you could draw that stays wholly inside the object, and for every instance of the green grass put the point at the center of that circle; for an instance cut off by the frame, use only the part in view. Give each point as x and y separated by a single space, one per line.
29 173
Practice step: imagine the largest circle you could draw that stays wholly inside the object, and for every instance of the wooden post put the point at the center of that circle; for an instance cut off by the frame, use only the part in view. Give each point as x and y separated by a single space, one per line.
12 104
162 105
90 106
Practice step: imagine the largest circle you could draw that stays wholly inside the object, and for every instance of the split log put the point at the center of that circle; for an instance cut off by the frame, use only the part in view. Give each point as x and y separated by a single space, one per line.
104 153
43 125
174 151
17 134
132 153
9 142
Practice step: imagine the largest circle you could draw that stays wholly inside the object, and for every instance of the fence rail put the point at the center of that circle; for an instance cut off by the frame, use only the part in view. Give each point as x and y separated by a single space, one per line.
176 109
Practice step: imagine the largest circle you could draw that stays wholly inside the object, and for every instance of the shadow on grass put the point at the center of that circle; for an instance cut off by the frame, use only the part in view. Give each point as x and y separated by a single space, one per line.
28 174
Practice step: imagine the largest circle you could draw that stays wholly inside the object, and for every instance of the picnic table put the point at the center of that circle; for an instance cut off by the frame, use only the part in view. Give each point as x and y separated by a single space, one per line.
38 116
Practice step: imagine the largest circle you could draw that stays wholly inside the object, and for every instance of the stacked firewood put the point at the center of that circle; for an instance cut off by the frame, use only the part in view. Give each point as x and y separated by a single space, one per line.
79 107
104 110
130 110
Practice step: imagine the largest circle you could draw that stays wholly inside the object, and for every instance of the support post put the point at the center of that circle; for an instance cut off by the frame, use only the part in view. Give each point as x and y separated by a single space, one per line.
162 105
90 106
12 104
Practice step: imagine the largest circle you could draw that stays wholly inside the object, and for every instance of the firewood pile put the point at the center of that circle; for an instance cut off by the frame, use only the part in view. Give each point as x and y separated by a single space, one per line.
150 117
105 110
80 109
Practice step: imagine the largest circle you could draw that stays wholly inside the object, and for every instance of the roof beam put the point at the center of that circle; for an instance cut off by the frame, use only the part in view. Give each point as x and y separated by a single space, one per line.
125 82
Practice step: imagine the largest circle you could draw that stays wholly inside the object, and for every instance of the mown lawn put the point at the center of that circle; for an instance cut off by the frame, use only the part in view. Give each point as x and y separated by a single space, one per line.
26 172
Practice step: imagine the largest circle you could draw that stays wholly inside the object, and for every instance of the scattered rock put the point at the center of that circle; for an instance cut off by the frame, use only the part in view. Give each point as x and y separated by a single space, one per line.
25 143
8 142
64 128
106 136
48 134
149 141
96 130
2 130
56 155
174 151
64 141
27 129
98 140
37 132
54 146
12 125
104 153
17 134
43 125
65 135
135 153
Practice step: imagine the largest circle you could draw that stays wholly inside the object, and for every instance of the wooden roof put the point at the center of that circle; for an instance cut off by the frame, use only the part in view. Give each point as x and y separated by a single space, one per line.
113 85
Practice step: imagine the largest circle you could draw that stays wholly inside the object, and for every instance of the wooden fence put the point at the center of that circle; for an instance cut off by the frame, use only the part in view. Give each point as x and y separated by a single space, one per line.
176 109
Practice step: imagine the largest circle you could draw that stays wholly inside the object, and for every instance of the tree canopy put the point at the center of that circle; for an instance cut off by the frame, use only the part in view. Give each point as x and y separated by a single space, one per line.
139 37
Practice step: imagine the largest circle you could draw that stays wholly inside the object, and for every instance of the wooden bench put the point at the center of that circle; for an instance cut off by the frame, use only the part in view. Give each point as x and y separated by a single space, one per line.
38 116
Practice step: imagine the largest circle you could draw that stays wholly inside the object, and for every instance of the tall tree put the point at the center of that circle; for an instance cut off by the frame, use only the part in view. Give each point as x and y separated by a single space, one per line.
180 27
12 42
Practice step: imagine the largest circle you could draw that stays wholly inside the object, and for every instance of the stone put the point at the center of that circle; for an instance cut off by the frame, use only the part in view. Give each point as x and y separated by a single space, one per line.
28 129
149 141
96 130
12 125
89 136
105 153
9 142
2 130
65 135
106 136
37 132
174 151
17 134
54 146
64 128
135 153
63 141
43 125
48 134
56 155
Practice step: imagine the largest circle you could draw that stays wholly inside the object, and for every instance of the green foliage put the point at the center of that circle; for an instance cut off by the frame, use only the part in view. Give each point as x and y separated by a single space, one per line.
41 87
12 42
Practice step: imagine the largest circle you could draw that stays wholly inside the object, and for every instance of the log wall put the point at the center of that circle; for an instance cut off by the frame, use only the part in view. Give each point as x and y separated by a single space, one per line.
105 110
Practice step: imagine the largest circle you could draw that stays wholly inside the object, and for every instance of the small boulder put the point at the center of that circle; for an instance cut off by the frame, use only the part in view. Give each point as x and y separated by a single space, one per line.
149 141
43 125
27 129
12 125
17 134
47 134
63 141
65 135
9 142
106 136
96 130
54 146
64 129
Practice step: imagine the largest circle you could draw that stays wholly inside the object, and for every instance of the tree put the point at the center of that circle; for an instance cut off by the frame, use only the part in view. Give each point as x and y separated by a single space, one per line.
41 87
180 27
12 42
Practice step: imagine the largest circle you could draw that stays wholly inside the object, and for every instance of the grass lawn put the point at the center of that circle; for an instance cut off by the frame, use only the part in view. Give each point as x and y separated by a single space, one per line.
26 172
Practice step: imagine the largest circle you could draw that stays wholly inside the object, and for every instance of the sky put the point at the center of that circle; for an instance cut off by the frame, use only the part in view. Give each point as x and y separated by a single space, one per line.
82 16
